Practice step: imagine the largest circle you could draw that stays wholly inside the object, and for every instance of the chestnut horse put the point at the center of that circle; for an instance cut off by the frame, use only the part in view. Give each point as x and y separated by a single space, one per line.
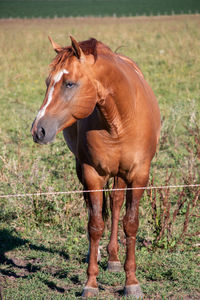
111 122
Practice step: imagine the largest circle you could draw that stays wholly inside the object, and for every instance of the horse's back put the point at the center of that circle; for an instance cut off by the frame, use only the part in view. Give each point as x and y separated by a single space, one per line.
132 63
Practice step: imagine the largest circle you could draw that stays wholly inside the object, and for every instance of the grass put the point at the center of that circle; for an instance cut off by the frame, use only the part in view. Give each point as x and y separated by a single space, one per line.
40 237
61 8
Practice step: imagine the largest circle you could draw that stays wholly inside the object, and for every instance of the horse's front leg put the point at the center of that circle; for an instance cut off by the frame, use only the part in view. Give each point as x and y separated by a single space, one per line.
117 199
130 223
95 228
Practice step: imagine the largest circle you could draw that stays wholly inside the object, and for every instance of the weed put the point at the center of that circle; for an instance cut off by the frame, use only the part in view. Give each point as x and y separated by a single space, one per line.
165 212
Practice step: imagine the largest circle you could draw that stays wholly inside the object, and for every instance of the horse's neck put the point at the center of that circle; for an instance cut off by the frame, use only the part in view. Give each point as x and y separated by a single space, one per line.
114 109
111 116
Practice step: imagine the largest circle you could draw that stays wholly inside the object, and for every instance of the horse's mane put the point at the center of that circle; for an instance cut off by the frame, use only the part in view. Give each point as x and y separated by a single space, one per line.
91 46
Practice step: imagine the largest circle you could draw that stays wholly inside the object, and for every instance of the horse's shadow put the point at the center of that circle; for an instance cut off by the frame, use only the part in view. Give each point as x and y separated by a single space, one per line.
20 268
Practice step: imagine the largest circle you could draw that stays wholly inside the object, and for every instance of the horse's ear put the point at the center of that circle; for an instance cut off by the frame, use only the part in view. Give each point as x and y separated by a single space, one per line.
56 47
77 49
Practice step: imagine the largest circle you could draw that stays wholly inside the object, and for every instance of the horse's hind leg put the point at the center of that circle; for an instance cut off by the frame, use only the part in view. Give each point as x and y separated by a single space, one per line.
117 199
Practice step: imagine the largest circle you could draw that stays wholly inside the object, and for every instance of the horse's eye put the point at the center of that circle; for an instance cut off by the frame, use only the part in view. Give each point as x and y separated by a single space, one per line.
69 84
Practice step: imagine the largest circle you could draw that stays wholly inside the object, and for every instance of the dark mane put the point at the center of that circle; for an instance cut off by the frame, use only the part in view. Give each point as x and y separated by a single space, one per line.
94 47
91 46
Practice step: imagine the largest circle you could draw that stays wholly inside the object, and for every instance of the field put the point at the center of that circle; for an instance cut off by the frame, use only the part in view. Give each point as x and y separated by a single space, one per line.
43 241
66 8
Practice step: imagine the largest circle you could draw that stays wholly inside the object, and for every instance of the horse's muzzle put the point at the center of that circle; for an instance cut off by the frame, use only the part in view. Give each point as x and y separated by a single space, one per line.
44 131
39 135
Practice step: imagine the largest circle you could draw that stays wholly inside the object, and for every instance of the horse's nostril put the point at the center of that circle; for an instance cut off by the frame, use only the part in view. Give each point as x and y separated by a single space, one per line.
41 133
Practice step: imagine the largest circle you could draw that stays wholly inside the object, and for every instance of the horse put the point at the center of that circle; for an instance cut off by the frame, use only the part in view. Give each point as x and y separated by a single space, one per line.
110 120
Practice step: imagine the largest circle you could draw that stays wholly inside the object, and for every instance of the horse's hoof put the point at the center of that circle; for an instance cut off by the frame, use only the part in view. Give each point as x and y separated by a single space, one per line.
89 292
133 290
114 266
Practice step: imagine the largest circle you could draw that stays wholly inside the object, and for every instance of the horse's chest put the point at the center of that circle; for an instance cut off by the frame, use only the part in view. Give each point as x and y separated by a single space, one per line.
100 152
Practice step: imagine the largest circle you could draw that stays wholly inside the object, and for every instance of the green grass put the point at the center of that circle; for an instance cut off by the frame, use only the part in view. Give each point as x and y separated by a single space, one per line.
62 8
43 240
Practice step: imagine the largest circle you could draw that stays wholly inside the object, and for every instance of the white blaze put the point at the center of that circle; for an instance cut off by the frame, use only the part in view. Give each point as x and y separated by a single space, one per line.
59 75
57 78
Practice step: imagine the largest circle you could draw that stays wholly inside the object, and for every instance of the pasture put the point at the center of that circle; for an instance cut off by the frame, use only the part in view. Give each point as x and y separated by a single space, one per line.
43 241
74 8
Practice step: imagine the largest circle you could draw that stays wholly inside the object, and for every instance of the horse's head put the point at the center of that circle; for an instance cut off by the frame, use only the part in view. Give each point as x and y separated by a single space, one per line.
71 92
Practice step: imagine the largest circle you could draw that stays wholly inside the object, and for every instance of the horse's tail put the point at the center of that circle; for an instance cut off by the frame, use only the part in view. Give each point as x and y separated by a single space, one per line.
105 211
